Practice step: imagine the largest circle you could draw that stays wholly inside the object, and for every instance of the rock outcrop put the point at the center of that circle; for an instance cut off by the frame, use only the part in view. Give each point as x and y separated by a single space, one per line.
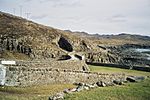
130 57
20 37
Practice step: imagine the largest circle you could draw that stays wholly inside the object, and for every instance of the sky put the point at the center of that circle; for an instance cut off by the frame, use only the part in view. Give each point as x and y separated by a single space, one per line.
92 16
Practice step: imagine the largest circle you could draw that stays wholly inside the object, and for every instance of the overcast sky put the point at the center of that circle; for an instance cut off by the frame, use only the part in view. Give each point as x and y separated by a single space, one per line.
92 16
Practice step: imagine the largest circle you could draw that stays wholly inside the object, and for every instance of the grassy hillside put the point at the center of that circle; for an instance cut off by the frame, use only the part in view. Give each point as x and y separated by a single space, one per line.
129 91
31 93
19 35
105 69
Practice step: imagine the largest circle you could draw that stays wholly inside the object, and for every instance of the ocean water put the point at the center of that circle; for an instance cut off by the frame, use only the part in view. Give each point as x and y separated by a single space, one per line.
144 50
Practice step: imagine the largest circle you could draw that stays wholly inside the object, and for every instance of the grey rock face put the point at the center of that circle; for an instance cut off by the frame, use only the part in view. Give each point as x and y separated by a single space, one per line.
101 57
14 45
132 58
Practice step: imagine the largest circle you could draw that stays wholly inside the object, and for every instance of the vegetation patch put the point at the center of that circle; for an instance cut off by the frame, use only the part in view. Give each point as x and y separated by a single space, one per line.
130 91
105 69
31 93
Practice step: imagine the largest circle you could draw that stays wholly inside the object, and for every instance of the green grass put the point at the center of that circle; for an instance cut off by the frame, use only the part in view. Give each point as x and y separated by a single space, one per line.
129 91
117 70
31 93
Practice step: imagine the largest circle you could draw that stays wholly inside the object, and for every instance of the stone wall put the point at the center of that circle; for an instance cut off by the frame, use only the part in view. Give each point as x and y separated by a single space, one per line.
64 64
26 76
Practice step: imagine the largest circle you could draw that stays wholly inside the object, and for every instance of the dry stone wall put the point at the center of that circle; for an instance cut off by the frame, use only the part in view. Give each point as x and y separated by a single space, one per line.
23 76
51 72
64 64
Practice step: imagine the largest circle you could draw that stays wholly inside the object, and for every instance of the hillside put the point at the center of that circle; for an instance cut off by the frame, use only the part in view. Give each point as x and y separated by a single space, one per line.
120 39
22 39
19 35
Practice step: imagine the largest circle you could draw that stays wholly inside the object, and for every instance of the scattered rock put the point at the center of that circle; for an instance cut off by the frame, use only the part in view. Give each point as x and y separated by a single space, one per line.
98 83
94 85
78 84
80 88
81 84
118 82
73 89
109 84
135 78
58 96
101 84
131 79
86 87
91 85
68 91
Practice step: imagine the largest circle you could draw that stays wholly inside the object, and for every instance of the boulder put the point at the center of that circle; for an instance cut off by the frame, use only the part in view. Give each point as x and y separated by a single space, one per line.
81 84
118 82
70 90
86 87
91 85
101 84
109 83
67 91
80 88
135 78
73 89
58 96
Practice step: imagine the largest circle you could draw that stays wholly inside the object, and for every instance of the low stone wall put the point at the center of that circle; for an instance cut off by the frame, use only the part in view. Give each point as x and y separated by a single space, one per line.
64 64
23 76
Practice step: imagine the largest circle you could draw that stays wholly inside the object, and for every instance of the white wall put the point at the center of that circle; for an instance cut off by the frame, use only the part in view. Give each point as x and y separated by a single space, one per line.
2 74
8 62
